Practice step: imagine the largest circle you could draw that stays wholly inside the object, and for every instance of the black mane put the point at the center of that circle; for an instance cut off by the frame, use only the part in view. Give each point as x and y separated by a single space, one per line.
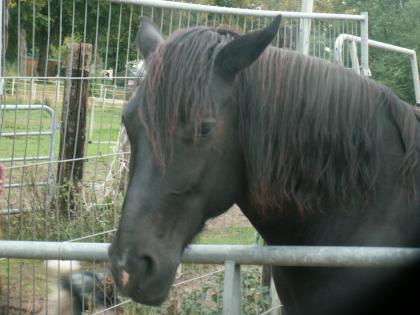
312 131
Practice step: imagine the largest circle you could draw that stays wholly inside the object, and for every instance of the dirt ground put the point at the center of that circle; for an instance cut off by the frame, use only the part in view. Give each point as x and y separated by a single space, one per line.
232 217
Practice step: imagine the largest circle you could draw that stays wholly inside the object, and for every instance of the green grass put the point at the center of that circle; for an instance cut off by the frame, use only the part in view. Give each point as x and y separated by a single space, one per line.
106 128
228 235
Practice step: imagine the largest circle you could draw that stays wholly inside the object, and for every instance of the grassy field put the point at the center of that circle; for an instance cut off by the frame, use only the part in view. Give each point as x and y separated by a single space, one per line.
105 130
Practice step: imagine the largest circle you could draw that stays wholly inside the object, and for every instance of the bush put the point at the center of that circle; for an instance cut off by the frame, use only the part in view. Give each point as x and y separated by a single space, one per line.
208 297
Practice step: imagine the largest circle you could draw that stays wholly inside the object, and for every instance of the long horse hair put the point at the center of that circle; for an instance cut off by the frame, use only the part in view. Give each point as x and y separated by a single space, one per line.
311 130
176 87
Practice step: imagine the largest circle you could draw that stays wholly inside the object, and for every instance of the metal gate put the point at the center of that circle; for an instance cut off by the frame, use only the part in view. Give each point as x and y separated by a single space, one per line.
20 137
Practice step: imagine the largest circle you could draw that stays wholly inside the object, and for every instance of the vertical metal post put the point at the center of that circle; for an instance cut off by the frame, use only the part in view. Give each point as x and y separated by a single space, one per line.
353 55
364 44
415 73
51 188
92 120
305 27
1 49
232 289
275 301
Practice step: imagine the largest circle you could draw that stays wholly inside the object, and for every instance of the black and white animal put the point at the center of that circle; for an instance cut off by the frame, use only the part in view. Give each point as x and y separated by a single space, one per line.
75 292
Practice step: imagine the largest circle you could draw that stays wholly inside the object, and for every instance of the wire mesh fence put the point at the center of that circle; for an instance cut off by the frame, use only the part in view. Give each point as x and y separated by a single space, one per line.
68 68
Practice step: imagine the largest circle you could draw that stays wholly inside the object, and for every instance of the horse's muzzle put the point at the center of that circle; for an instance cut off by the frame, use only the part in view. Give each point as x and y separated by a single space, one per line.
143 277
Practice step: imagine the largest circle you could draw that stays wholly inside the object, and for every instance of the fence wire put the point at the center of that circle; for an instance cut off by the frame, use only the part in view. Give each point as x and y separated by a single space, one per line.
59 193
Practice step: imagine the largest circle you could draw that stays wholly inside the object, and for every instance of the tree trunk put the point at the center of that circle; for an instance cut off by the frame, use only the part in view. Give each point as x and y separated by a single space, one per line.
22 52
73 128
5 25
42 67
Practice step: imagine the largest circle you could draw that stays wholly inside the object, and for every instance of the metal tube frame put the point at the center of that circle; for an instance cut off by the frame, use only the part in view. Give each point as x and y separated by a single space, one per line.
1 49
225 10
232 256
315 256
52 135
364 42
232 289
338 57
305 28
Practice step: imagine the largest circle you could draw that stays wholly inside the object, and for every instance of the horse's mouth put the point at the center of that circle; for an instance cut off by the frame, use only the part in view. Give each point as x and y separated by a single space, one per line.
149 291
148 297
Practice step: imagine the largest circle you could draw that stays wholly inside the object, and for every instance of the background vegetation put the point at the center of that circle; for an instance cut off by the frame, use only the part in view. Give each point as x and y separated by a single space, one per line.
392 21
395 22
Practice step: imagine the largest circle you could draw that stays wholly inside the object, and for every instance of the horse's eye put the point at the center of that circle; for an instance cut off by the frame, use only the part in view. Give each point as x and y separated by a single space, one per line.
206 128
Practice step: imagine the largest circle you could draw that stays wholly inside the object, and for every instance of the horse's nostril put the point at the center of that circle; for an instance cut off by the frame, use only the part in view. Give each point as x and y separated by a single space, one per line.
140 265
148 264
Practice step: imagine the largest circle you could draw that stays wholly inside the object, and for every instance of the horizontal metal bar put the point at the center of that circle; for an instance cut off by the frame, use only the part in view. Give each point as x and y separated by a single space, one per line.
86 158
55 78
332 256
319 256
29 158
374 43
53 250
21 185
23 133
226 10
14 211
28 107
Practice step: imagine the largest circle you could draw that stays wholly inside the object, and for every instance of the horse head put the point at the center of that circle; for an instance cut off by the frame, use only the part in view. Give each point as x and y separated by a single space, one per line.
186 162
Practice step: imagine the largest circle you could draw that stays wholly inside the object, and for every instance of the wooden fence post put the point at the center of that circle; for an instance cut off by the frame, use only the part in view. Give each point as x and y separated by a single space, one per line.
73 126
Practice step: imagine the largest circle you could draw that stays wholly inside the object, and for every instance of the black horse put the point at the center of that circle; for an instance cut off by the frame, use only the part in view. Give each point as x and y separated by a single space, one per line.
312 153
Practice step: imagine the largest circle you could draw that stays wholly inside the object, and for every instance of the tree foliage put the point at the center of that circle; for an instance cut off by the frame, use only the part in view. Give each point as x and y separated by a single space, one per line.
50 24
395 22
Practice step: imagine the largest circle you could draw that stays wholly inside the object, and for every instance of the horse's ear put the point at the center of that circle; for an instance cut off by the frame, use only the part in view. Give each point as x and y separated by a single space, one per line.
148 37
243 51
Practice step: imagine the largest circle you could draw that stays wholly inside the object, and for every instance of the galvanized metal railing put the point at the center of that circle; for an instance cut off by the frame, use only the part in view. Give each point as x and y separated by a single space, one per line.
304 16
298 256
231 256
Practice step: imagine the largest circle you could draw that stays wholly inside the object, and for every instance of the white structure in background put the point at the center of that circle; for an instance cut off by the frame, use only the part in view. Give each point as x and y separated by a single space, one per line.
338 56
305 27
108 73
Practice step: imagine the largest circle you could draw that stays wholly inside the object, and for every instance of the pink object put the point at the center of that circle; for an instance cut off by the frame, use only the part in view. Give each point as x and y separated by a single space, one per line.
125 277
1 178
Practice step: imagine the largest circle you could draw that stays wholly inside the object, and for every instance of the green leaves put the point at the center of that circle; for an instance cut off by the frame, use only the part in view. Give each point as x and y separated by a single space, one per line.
391 21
